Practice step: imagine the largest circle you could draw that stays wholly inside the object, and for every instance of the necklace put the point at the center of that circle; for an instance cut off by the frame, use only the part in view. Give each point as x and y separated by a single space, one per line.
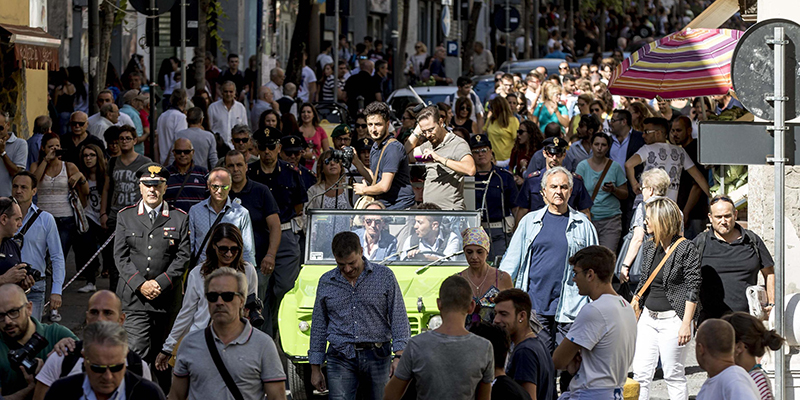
477 287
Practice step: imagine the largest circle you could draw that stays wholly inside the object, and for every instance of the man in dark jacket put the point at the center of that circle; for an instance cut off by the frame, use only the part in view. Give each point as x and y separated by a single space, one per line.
104 352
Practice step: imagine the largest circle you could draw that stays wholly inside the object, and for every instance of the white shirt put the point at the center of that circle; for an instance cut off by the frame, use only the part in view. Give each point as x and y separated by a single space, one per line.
96 119
194 313
169 123
671 158
308 77
731 384
221 120
277 91
606 331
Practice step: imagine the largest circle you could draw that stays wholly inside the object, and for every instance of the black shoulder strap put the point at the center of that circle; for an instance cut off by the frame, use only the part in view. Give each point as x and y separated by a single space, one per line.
753 238
135 363
71 359
223 371
701 243
196 256
30 222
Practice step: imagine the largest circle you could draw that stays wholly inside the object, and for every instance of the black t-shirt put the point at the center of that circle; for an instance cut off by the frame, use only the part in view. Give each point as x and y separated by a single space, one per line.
71 150
9 255
728 269
657 297
360 84
531 362
258 201
504 388
700 210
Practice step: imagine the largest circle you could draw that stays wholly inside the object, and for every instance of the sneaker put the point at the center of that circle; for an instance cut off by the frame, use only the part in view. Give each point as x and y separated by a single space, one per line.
89 287
55 316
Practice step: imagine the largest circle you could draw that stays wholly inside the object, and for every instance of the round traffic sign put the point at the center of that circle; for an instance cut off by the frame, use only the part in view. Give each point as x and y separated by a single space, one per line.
143 6
500 21
753 68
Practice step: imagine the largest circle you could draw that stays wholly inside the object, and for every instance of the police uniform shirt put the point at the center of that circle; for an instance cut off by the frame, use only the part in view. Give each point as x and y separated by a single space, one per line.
530 196
258 201
502 190
307 177
286 186
9 255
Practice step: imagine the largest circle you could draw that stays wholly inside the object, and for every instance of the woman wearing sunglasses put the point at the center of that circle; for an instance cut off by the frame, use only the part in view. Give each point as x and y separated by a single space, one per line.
225 250
329 171
462 118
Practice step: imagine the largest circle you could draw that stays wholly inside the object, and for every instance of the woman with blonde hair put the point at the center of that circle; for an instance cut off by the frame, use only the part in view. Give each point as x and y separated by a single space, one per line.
551 109
669 303
639 112
501 128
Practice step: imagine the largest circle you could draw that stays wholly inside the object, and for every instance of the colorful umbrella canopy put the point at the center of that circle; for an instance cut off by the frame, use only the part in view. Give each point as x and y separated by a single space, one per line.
689 63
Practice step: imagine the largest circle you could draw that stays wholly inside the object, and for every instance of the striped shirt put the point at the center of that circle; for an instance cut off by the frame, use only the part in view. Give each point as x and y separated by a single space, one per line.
193 192
762 382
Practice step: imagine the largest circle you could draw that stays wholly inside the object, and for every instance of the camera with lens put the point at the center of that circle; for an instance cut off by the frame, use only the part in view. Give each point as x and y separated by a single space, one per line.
344 156
254 306
37 276
26 355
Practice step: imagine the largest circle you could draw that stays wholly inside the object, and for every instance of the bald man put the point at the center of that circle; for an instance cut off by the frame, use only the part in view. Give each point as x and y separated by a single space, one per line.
17 327
265 101
186 185
715 351
103 306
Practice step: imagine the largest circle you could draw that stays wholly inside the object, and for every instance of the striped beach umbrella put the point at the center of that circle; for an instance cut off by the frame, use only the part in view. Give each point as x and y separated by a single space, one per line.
689 63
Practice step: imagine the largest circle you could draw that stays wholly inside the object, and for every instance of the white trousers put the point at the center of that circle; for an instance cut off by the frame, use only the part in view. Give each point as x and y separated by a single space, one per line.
659 337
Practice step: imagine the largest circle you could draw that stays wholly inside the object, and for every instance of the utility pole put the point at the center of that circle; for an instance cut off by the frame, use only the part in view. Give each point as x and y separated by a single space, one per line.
183 44
335 46
94 53
153 75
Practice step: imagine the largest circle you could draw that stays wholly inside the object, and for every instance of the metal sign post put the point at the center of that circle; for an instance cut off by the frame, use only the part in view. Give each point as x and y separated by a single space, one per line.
335 46
183 44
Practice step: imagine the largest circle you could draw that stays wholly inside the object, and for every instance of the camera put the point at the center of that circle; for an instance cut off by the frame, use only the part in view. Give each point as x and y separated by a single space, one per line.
254 306
37 276
26 356
345 156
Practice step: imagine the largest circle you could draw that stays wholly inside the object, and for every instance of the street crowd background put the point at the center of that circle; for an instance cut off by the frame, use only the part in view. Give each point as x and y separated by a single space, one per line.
583 196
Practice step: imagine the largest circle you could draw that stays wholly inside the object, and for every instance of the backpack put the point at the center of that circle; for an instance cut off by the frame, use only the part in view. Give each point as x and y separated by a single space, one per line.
700 242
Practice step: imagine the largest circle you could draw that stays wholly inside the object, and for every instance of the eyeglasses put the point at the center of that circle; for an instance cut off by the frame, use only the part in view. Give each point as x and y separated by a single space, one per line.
184 152
126 139
101 369
226 249
90 155
344 139
240 140
480 151
362 126
220 187
77 123
330 160
563 67
13 313
227 297
370 221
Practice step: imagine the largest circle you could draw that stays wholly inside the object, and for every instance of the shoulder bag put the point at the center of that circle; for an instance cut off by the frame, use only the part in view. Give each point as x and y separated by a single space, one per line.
364 200
636 306
223 371
600 181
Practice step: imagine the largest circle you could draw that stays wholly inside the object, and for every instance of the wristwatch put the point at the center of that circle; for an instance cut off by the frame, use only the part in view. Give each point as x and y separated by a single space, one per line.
3 154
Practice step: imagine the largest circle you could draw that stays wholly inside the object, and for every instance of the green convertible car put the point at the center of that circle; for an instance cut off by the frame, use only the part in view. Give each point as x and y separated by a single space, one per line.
419 272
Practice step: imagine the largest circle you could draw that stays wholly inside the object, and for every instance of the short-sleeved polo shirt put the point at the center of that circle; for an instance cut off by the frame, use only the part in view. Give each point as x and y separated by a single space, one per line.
252 360
10 252
444 186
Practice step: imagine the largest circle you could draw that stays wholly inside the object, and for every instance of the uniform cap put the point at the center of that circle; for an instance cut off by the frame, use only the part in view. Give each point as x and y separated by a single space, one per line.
152 174
340 130
555 145
363 144
479 141
292 143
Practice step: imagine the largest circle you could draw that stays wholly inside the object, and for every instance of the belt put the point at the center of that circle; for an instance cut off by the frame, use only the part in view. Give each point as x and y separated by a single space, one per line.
662 314
368 345
286 226
492 225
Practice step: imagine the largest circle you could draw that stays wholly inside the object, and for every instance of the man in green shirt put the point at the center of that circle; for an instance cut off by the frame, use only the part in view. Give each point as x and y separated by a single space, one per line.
16 328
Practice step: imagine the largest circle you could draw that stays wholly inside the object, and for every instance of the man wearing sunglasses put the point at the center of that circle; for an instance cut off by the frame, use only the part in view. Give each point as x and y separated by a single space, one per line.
13 151
17 326
78 137
290 194
292 148
186 185
151 250
106 376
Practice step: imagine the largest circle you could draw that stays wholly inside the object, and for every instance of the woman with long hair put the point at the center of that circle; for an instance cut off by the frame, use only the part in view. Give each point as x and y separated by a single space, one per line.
329 171
269 118
167 79
224 250
202 100
752 341
416 63
551 109
462 119
92 165
501 128
669 305
639 112
77 77
312 133
528 142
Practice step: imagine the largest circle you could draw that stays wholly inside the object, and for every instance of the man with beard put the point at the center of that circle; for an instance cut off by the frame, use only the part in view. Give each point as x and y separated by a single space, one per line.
582 149
17 328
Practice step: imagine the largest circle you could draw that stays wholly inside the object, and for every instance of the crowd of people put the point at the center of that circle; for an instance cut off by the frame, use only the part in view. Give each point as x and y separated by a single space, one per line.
601 249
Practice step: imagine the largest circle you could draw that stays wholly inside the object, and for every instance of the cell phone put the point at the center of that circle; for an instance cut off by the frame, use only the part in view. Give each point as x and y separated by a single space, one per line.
60 152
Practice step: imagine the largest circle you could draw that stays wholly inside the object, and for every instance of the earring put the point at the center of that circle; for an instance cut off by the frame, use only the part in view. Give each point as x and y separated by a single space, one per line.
520 320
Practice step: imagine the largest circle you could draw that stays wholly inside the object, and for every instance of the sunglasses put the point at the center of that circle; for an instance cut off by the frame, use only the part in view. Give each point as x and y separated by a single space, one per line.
330 160
220 187
463 108
77 123
521 131
292 153
227 297
240 140
717 199
599 110
480 151
9 201
226 249
184 152
101 369
362 126
270 147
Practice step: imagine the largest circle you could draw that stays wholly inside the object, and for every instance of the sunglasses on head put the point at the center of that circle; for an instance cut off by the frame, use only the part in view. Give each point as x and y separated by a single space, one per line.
719 198
362 126
226 249
226 296
179 152
240 140
101 369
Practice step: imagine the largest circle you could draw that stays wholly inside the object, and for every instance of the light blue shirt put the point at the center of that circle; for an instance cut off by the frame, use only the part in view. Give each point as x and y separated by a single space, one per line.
606 205
34 144
128 110
202 216
41 237
580 233
88 392
619 150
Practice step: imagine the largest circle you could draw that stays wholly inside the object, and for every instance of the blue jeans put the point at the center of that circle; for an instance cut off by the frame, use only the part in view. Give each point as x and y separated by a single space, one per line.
36 297
367 374
67 232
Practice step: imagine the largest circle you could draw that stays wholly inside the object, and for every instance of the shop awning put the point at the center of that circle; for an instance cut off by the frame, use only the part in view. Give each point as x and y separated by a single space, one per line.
33 46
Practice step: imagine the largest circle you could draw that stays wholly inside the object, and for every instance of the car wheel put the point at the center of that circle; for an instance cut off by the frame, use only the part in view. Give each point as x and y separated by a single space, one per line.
297 382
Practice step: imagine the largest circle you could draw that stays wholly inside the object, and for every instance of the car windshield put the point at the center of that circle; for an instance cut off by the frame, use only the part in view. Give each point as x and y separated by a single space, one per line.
413 237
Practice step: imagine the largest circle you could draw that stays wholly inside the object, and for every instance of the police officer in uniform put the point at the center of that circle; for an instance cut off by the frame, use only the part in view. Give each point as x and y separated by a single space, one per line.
287 188
530 194
495 193
151 250
294 145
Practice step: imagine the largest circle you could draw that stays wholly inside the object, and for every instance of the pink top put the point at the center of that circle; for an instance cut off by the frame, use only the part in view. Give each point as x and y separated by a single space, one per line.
319 136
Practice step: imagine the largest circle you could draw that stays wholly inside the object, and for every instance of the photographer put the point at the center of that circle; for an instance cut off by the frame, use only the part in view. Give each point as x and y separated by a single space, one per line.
11 268
18 327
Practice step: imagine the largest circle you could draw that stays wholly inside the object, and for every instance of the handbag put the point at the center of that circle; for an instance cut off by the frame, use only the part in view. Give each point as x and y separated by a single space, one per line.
600 181
223 371
77 211
635 304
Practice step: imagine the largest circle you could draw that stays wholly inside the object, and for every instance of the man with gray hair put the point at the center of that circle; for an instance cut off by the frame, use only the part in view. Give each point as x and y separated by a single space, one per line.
242 139
205 146
286 102
265 100
537 257
108 116
41 125
105 348
103 98
228 344
226 113
276 79
171 122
